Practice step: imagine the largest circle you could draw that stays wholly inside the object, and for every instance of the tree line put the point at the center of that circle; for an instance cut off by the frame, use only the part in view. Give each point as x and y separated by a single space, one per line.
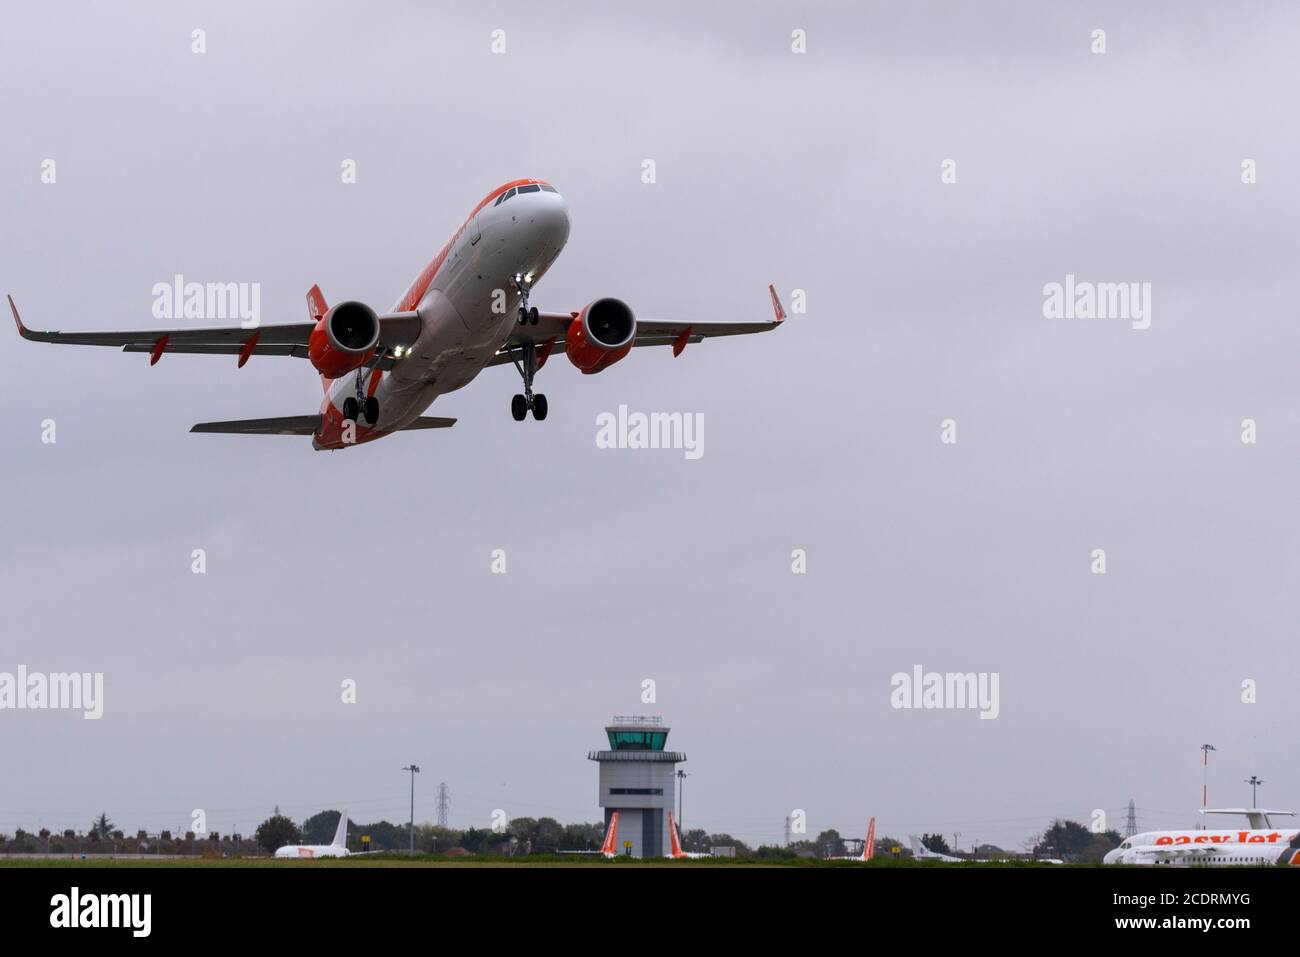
1064 840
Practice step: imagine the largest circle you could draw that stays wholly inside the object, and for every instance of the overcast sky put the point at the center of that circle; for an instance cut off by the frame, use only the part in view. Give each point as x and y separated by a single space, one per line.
818 171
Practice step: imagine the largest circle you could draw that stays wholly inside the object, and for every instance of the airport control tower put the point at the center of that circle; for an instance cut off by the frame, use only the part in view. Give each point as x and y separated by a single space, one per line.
637 780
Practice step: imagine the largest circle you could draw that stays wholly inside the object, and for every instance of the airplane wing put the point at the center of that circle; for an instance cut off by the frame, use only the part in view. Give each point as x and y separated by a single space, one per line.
284 340
1176 851
552 327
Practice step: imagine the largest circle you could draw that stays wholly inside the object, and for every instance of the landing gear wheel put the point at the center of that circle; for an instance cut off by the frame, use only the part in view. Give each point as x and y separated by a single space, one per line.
372 410
350 408
524 284
526 362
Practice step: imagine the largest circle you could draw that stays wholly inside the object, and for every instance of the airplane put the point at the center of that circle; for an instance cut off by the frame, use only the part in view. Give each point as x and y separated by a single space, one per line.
674 837
610 847
923 853
868 846
1261 843
466 311
339 848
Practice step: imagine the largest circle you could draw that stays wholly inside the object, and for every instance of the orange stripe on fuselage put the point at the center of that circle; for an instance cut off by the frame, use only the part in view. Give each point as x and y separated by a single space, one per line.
417 289
329 435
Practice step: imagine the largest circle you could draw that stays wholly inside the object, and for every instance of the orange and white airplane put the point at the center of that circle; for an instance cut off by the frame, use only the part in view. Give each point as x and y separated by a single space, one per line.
337 848
868 846
610 847
467 310
1262 843
675 843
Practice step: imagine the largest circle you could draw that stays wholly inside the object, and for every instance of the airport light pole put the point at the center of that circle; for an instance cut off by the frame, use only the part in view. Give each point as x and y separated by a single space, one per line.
1254 783
1205 778
414 769
681 796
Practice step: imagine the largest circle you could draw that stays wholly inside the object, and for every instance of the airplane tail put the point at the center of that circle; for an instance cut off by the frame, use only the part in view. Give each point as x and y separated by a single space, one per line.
610 847
918 849
316 310
341 835
869 846
676 841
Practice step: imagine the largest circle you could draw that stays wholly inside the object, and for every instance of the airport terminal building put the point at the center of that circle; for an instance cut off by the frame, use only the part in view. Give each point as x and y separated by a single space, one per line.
637 779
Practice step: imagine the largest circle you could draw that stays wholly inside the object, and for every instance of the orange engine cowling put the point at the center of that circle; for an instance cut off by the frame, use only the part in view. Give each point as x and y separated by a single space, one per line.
344 339
600 335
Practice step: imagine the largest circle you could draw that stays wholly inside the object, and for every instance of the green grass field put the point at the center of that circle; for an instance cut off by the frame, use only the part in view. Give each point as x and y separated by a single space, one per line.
433 860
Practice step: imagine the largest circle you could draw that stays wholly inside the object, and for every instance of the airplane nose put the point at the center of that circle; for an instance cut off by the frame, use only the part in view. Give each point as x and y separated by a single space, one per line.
1110 857
553 218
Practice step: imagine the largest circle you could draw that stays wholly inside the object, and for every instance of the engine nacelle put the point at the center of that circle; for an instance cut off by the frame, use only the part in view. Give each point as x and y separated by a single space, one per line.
600 335
344 339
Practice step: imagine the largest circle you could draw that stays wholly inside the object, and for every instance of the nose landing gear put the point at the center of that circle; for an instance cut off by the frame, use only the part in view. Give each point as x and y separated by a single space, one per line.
520 404
527 316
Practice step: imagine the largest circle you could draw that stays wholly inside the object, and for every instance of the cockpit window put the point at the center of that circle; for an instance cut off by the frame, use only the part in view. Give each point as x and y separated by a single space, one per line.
503 197
531 188
549 188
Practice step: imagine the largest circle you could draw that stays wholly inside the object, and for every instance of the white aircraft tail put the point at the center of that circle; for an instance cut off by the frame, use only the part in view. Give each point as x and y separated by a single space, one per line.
918 849
341 834
1258 817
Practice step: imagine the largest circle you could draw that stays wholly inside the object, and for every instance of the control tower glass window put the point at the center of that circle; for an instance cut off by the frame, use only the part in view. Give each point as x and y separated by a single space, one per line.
636 740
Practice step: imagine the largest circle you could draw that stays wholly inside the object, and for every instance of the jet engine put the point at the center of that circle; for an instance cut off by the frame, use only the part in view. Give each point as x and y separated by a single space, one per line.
344 339
600 335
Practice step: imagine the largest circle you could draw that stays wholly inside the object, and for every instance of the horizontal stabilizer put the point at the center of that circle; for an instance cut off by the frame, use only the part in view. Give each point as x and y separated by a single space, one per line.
302 425
428 422
281 425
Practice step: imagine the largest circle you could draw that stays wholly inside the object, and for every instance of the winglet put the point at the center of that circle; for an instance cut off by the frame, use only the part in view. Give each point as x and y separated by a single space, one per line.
341 835
776 304
22 330
869 845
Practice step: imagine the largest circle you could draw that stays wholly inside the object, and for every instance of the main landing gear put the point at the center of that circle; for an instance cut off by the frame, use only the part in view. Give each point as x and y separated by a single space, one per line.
520 404
527 316
368 405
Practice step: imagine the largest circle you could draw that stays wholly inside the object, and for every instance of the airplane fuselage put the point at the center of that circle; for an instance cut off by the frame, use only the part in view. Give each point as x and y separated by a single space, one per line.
308 851
468 305
1232 846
